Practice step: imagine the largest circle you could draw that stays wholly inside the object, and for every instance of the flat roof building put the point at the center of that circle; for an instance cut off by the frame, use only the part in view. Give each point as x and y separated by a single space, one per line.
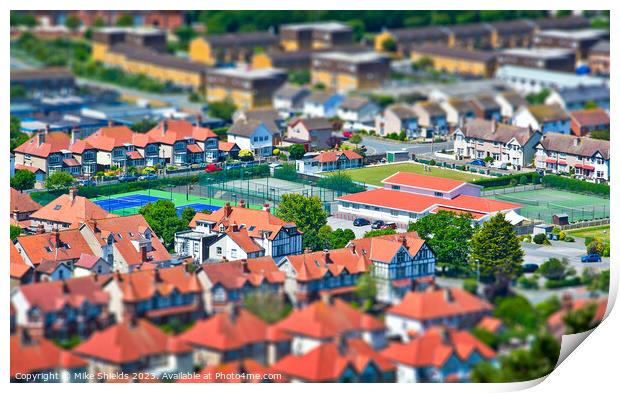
318 35
246 88
346 71
557 59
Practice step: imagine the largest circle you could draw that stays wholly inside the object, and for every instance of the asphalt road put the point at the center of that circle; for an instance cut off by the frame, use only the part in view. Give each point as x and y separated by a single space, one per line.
538 254
380 146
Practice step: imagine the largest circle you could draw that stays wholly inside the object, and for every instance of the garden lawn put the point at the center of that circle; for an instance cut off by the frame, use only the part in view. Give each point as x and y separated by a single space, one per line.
374 174
601 232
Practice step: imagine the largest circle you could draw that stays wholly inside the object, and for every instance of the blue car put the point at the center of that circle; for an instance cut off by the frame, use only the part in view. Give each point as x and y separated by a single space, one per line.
478 163
591 258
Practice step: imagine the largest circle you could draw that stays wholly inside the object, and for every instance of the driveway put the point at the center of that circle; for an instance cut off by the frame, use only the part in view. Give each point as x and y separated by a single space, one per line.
380 146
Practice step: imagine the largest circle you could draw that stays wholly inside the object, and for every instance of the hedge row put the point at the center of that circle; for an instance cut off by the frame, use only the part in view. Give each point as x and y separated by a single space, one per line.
567 282
566 183
532 177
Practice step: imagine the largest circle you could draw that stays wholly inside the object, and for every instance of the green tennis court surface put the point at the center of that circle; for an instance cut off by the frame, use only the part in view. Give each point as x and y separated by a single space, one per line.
544 203
130 202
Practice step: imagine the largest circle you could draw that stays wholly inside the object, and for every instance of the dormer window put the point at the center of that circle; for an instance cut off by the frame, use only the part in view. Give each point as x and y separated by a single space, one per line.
57 207
48 249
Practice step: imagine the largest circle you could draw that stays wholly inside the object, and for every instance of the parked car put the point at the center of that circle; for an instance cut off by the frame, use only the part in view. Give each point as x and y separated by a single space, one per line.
212 168
389 225
499 165
87 182
360 222
591 258
127 178
347 134
148 176
377 224
478 163
529 267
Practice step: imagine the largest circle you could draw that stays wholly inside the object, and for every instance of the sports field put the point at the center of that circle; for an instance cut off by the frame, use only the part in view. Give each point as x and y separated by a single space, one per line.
374 174
131 202
542 204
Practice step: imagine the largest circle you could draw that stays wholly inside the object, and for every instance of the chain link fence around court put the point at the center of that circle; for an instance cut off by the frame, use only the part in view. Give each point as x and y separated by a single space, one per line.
544 208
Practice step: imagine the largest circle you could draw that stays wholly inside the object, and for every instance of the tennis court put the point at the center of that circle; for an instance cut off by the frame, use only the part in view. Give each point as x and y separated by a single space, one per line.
130 203
542 204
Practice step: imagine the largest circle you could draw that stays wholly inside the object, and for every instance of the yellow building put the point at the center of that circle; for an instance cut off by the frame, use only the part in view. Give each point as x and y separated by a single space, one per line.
457 61
346 71
244 87
221 49
319 35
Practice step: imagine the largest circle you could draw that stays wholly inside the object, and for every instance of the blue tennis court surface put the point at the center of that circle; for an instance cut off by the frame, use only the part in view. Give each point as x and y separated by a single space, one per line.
198 207
126 202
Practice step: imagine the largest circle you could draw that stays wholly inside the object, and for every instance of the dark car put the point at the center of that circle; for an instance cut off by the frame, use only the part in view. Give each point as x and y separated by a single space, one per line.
529 267
478 163
360 222
377 224
148 176
87 182
388 225
591 258
127 178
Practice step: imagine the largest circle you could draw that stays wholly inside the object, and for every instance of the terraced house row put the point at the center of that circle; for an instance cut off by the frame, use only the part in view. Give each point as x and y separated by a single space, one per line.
175 142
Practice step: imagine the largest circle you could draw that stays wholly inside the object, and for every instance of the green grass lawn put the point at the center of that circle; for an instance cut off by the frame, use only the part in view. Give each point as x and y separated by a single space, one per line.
601 232
374 175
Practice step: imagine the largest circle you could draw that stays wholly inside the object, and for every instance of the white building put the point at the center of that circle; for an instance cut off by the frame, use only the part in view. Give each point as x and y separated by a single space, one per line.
357 112
332 160
322 104
252 135
531 80
543 118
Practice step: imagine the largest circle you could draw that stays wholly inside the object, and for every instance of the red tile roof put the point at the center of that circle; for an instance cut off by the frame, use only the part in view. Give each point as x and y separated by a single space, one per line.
239 371
18 266
87 261
33 169
327 362
39 247
409 179
254 221
225 332
417 203
226 146
556 320
145 284
384 248
328 320
39 354
64 209
242 238
134 155
54 143
194 149
22 202
128 342
53 295
178 130
439 303
490 324
590 117
435 347
128 230
107 138
235 274
334 155
315 265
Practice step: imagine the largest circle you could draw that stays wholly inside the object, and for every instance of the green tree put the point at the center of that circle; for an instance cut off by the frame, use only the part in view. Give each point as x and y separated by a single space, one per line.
517 312
18 91
73 22
449 235
222 109
548 307
380 232
595 246
143 125
23 180
185 34
296 151
356 139
162 217
554 268
15 231
580 320
340 237
99 22
187 214
358 28
389 45
59 180
590 105
17 137
286 172
600 282
325 237
299 77
538 98
366 289
268 306
307 213
424 63
125 20
600 134
341 182
495 248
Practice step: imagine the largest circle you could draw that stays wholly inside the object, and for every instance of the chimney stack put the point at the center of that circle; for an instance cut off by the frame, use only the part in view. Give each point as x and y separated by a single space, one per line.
266 207
328 259
164 126
143 257
402 239
307 250
234 227
577 141
227 210
40 229
56 238
567 301
199 120
351 246
493 125
448 296
41 138
244 265
241 203
47 128
75 135
72 194
15 214
326 297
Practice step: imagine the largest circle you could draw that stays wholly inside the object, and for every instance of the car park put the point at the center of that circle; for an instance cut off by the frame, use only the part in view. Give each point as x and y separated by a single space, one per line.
377 224
360 222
